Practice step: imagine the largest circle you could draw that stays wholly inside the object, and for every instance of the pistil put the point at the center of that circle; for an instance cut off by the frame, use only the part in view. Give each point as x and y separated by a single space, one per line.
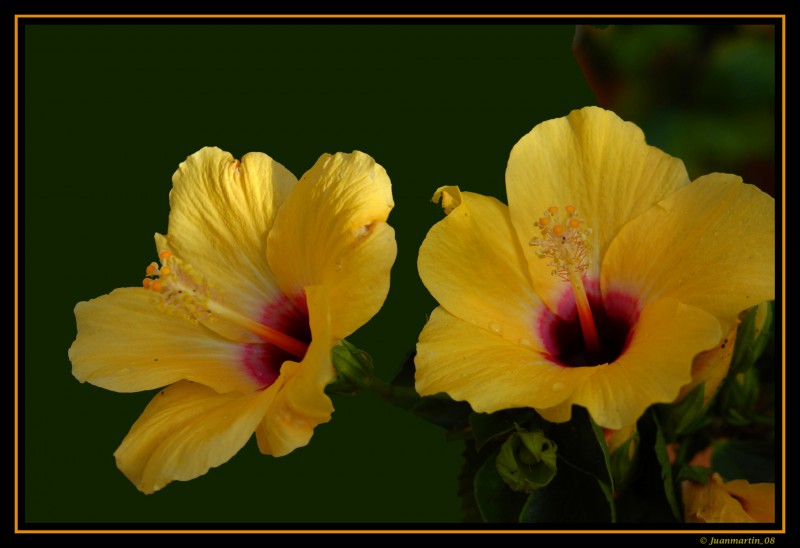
268 334
183 291
564 242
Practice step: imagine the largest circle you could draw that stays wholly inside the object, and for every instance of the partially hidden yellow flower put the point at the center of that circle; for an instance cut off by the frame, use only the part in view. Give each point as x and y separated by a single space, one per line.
598 284
737 501
260 275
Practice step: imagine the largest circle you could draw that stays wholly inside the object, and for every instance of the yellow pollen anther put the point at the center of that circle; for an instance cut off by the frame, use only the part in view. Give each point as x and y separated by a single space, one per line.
570 209
544 221
188 294
553 210
574 223
558 230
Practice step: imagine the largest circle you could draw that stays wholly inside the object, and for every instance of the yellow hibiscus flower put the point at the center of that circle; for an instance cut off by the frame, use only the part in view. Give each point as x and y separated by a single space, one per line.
736 501
598 284
259 276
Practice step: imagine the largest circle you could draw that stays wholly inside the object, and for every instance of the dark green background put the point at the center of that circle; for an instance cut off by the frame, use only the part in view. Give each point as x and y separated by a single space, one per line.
109 113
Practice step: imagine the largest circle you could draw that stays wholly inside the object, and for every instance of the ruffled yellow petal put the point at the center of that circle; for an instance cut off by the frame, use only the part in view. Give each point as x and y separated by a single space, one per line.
126 344
757 499
472 364
710 368
657 362
186 430
331 231
558 413
300 402
472 265
221 212
710 245
732 502
595 161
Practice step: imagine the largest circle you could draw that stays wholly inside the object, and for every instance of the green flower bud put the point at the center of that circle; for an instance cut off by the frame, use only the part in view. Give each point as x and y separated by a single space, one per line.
354 367
527 461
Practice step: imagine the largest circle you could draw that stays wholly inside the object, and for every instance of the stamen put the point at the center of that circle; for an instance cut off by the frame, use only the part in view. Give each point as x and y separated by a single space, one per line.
566 245
184 292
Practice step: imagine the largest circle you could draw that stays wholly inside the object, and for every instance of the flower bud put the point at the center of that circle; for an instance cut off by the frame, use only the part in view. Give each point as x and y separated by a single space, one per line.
527 461
354 367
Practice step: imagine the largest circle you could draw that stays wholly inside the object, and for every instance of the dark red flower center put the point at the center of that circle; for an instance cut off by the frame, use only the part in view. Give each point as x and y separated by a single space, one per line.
263 361
615 317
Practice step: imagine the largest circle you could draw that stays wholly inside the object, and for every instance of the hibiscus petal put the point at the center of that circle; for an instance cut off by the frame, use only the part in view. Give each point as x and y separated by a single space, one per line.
711 245
654 366
331 231
126 343
491 373
300 402
221 211
757 499
728 502
472 265
185 430
595 161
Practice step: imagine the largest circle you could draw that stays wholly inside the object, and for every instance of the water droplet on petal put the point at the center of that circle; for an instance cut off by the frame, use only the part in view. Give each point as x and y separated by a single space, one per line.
524 341
495 327
558 386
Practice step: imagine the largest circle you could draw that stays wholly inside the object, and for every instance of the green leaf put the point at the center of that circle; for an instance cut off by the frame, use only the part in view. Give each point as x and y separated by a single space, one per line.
697 474
739 396
439 409
572 497
643 499
405 377
582 444
486 426
752 460
684 417
472 460
752 337
660 448
496 501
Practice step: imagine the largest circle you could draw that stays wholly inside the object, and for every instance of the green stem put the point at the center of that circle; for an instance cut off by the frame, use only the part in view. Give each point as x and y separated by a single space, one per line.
389 391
